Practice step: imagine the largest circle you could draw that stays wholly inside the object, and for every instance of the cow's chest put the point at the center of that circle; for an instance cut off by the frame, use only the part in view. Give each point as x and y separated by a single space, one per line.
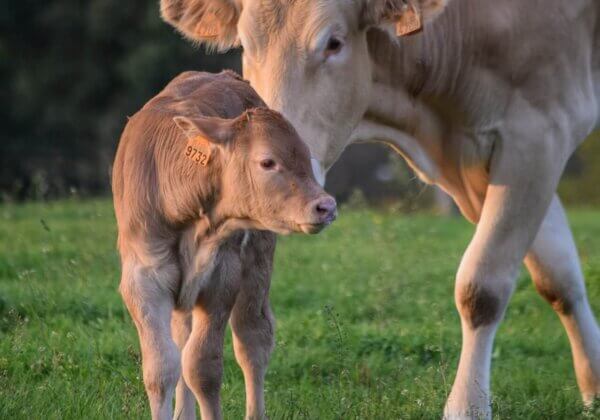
461 152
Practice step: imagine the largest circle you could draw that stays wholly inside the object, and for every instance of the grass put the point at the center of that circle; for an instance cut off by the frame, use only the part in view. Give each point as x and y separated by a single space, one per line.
366 322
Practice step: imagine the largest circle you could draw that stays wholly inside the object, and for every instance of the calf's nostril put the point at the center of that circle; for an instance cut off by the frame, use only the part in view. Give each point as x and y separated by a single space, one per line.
321 208
326 207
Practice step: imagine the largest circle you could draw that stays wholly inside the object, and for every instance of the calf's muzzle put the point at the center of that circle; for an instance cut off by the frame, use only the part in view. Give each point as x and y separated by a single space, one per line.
323 212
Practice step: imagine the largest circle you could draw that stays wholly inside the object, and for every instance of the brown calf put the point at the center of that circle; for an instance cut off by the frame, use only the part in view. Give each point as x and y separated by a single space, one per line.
202 171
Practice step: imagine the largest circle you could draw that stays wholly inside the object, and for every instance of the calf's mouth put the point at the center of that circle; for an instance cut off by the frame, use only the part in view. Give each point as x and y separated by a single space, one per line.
316 227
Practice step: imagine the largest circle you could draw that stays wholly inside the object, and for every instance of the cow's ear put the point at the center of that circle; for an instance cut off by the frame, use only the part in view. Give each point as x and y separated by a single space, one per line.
212 22
409 16
214 130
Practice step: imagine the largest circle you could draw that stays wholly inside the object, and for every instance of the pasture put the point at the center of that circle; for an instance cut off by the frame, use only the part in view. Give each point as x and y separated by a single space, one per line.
366 323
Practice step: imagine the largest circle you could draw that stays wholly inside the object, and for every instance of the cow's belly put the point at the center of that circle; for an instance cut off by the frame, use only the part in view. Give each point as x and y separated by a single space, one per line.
597 94
596 70
596 82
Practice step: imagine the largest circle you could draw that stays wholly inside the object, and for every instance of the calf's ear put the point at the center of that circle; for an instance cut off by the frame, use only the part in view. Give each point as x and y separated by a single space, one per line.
409 16
213 22
214 130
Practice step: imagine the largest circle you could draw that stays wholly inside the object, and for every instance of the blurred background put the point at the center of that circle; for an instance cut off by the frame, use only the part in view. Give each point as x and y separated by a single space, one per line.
72 71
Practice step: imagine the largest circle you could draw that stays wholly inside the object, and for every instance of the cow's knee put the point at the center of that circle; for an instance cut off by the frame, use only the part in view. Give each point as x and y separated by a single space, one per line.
481 304
562 288
561 301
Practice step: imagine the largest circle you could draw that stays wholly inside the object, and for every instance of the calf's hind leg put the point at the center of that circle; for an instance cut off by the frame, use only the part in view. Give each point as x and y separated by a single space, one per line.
202 356
149 298
203 359
185 403
554 266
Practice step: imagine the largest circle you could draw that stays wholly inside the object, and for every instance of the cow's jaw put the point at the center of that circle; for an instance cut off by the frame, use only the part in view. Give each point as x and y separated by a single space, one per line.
318 171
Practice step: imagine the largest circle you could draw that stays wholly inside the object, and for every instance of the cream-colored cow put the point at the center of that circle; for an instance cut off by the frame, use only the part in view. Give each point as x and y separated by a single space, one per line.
485 98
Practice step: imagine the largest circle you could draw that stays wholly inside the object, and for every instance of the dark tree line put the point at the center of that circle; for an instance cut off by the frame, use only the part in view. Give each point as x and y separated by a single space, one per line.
70 73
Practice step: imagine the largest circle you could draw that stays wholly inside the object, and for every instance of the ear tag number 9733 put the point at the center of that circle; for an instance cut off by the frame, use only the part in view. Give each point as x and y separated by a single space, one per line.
198 150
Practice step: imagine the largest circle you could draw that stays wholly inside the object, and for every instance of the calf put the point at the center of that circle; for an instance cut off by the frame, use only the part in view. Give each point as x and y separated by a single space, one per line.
203 170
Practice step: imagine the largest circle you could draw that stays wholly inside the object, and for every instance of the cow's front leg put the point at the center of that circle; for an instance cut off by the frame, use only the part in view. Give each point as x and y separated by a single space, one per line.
556 272
523 177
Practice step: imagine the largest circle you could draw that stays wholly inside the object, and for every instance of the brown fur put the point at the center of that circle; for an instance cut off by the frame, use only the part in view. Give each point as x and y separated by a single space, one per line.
478 305
556 299
184 233
176 191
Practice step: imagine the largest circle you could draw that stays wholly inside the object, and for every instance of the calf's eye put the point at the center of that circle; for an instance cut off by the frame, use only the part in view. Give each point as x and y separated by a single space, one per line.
267 164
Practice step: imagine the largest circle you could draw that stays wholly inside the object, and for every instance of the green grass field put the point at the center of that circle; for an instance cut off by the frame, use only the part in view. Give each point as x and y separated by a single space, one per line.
366 322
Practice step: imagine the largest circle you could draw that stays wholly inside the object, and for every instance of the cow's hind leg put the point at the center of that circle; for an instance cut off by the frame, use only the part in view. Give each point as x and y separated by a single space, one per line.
185 402
148 295
554 266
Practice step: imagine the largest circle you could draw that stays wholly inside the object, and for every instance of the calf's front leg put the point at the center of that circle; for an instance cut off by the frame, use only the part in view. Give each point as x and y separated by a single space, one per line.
253 343
252 322
522 183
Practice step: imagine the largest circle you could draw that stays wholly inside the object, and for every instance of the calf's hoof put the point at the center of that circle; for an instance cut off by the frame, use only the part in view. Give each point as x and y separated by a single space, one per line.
473 413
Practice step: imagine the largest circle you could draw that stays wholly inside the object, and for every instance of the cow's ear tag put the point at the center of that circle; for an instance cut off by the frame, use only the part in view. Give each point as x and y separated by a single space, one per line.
208 32
198 150
410 21
208 27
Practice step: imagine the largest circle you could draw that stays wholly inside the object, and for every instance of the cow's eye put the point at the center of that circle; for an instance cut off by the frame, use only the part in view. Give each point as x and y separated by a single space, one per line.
267 164
334 46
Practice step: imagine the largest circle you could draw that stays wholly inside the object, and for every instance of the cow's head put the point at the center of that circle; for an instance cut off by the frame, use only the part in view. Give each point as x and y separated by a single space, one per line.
307 58
264 172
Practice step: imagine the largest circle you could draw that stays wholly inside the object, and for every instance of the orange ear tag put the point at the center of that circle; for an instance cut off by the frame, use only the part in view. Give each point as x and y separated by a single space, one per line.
198 150
410 21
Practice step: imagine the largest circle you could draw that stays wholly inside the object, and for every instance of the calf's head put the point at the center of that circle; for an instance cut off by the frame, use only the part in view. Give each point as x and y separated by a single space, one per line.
262 172
308 59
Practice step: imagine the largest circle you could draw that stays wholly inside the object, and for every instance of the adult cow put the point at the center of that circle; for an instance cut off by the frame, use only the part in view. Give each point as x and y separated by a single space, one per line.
488 101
